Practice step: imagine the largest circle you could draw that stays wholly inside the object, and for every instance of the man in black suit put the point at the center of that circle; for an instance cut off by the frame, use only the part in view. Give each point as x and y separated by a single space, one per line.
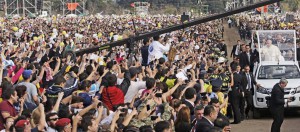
236 50
248 87
206 123
236 95
247 58
190 98
277 104
235 62
298 53
144 51
223 48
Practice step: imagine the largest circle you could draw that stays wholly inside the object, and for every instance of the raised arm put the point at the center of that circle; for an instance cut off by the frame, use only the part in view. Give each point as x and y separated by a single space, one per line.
42 123
58 62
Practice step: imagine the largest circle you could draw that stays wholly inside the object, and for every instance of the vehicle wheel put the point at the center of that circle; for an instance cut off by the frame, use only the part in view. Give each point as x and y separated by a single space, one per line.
256 113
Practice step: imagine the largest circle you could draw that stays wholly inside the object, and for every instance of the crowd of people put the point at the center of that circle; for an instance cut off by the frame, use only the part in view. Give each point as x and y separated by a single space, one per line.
180 81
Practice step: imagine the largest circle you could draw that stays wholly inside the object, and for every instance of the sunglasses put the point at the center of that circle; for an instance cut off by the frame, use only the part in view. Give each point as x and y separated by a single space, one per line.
54 119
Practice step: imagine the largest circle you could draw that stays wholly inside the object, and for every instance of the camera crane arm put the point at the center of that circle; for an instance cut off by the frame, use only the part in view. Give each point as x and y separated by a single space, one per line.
175 27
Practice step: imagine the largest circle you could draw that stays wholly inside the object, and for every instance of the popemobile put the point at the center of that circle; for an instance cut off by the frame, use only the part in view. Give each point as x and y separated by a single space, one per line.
277 59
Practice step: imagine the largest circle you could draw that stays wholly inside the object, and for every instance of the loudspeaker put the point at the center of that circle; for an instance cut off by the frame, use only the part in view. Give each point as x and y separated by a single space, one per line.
39 4
184 17
289 18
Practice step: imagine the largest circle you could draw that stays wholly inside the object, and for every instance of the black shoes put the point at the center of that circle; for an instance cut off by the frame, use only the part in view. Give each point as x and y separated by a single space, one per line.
247 117
235 122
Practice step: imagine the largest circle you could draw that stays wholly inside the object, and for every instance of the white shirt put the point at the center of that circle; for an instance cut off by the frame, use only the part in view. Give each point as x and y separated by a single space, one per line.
50 129
156 50
133 90
248 80
229 21
248 55
237 50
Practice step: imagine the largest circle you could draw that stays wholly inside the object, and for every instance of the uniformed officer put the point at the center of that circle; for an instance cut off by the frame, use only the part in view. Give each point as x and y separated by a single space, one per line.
214 74
216 84
277 104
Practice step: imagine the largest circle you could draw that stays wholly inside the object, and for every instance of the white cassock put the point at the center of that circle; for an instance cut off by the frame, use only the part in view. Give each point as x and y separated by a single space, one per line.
156 50
271 53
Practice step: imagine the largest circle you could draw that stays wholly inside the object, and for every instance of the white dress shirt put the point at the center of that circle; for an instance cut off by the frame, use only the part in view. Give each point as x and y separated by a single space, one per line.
156 50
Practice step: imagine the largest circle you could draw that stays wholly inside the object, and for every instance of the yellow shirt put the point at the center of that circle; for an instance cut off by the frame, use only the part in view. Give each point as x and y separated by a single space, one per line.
221 101
169 82
208 88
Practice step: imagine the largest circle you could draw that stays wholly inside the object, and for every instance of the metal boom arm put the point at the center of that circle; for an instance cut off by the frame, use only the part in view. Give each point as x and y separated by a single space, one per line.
176 27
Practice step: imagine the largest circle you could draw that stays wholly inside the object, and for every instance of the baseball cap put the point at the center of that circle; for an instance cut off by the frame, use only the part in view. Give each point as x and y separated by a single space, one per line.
62 122
26 74
216 83
22 123
211 69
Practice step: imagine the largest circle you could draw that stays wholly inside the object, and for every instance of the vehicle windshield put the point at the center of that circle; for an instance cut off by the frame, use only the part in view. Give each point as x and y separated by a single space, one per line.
276 45
278 72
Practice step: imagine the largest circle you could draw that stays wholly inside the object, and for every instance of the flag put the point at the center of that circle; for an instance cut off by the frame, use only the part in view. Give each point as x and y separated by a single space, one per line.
132 5
72 6
265 9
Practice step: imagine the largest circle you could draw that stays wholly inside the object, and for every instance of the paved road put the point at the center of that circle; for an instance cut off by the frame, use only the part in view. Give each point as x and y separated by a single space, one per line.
292 120
291 123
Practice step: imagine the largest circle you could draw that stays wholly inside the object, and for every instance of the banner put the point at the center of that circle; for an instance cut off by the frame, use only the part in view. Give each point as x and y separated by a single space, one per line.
72 6
132 5
265 9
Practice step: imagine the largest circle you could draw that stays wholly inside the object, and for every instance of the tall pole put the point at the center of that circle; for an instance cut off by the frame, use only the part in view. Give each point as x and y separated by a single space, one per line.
63 7
5 7
18 7
23 8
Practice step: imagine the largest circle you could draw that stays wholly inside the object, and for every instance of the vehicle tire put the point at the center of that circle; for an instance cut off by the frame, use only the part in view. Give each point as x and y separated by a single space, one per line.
256 113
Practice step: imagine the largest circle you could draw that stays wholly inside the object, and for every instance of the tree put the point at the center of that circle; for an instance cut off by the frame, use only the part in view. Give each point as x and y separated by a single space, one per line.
293 4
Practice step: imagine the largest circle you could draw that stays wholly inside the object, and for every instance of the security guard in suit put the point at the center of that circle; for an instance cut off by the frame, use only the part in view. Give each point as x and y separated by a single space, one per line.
235 95
277 104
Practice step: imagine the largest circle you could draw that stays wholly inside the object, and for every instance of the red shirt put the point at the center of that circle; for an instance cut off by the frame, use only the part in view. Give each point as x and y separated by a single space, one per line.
6 106
112 96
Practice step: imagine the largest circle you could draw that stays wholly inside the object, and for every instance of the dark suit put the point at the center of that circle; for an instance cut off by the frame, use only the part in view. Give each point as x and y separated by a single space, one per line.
235 96
223 47
188 104
234 49
220 115
244 60
277 107
249 91
145 53
298 54
203 125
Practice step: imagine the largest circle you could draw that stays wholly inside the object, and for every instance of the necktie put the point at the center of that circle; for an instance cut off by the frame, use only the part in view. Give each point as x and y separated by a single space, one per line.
248 54
237 51
249 81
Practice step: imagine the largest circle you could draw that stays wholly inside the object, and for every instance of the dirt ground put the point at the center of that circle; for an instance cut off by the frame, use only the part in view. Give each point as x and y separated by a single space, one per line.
292 119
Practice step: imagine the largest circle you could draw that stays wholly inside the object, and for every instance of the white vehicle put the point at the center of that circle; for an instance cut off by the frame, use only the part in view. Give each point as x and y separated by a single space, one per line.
277 52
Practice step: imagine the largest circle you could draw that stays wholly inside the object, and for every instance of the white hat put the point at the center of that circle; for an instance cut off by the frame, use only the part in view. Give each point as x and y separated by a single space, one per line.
221 60
197 47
